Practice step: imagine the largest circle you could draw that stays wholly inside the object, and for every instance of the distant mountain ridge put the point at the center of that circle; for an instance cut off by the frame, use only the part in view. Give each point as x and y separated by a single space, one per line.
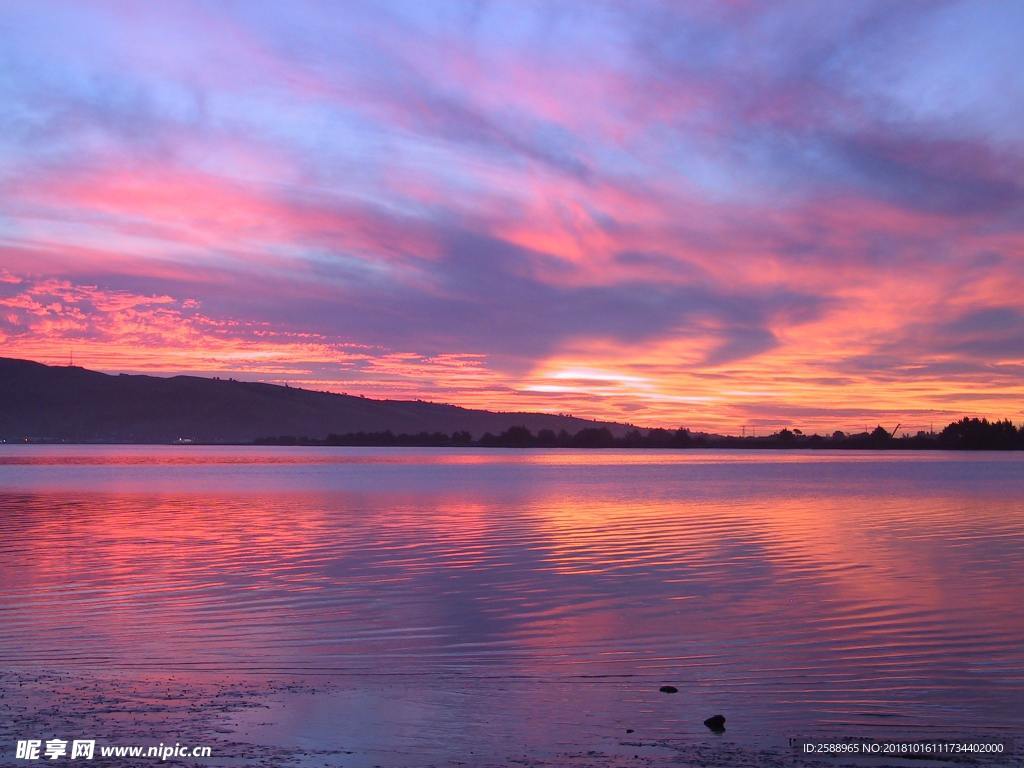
42 402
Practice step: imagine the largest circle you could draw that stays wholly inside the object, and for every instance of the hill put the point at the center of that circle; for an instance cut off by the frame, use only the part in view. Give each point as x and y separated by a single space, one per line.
73 404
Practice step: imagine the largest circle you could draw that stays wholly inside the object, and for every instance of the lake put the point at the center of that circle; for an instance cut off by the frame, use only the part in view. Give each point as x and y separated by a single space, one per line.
440 603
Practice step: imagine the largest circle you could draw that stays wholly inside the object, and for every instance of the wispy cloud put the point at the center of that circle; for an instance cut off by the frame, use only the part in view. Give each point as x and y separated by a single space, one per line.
726 213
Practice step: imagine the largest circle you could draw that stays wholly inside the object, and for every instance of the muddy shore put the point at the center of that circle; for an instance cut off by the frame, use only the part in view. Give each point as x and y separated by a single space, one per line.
240 719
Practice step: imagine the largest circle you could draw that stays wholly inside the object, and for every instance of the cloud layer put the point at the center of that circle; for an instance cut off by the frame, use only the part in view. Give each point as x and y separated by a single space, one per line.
712 214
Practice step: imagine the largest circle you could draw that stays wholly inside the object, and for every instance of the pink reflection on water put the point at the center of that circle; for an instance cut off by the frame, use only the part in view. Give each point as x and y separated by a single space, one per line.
809 589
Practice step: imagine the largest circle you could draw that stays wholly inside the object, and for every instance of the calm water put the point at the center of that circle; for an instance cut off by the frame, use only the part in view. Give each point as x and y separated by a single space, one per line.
796 592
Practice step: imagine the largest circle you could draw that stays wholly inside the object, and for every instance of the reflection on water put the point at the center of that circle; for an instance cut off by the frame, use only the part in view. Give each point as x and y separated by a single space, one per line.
785 588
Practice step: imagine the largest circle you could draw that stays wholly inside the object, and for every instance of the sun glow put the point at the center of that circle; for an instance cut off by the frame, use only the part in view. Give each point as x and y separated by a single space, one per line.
529 222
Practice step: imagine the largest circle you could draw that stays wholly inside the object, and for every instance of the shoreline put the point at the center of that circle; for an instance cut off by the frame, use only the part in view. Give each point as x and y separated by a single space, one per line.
240 717
632 449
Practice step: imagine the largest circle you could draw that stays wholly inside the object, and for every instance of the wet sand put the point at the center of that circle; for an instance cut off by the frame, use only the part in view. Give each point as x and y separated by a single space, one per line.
243 720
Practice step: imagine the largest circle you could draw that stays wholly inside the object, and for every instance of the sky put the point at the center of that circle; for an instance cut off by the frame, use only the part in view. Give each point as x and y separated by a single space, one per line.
732 216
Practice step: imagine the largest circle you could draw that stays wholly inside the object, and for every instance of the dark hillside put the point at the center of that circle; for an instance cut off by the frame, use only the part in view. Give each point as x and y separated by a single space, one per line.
75 404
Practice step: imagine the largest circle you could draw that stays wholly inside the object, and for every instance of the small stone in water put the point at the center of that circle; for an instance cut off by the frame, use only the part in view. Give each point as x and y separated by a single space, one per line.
716 722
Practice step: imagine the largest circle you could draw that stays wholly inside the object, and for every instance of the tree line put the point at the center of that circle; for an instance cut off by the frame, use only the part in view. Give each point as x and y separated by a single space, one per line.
964 434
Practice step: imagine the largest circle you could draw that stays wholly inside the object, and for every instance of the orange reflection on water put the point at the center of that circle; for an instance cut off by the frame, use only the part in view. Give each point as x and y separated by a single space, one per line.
773 579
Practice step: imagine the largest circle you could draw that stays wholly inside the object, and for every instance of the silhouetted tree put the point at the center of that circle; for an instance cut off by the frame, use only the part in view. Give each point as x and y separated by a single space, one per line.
593 437
547 438
980 434
659 438
964 434
880 436
633 439
681 438
516 437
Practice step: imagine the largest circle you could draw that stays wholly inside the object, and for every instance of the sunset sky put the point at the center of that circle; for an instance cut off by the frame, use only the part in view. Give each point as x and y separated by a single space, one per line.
706 214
